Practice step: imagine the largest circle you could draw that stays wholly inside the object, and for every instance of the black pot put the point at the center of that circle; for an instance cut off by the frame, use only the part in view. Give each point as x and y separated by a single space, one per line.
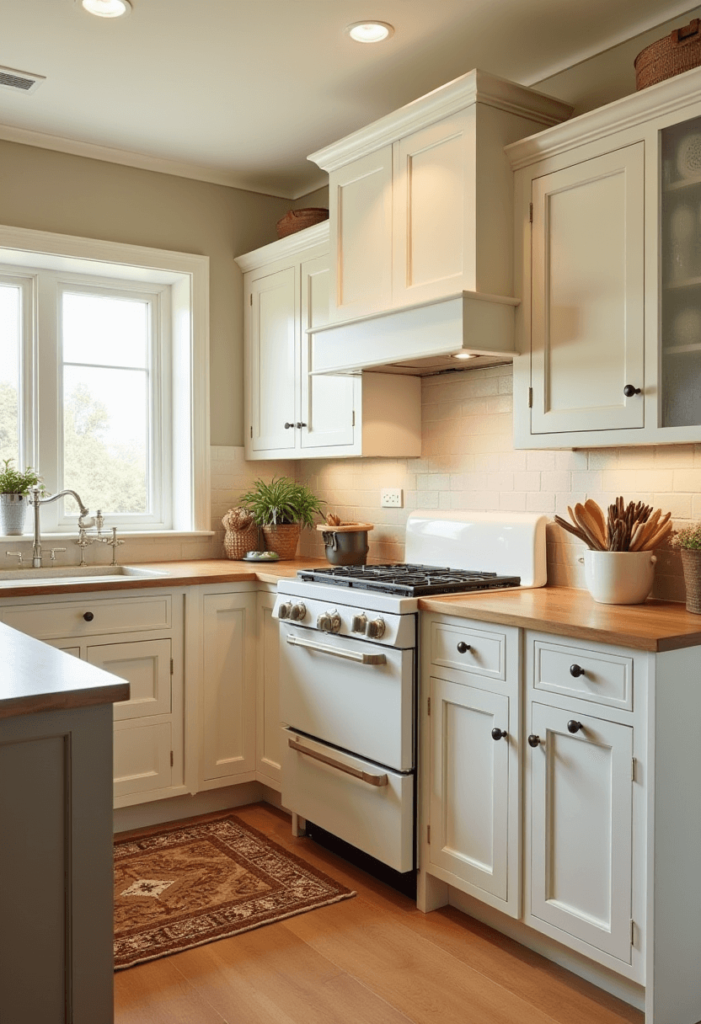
346 547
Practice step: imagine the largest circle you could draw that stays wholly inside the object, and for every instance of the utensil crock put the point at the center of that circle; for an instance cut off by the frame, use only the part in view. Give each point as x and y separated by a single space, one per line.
619 577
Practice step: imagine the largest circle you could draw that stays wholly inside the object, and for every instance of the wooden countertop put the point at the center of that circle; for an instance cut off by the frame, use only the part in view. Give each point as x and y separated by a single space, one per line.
651 626
36 677
177 574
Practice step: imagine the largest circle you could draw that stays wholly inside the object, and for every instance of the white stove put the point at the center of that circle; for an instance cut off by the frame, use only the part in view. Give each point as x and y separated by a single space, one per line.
348 670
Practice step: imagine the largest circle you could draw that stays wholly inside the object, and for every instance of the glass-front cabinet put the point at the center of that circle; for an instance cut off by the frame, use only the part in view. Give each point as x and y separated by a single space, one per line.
608 253
680 300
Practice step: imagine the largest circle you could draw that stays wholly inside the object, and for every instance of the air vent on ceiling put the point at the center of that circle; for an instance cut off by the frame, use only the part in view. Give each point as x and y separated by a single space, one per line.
20 81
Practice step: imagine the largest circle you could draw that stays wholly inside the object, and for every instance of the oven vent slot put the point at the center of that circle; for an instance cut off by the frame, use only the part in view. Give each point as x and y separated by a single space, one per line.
20 81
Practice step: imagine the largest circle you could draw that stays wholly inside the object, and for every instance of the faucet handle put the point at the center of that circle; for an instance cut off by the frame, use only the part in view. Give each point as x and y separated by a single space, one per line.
15 554
53 552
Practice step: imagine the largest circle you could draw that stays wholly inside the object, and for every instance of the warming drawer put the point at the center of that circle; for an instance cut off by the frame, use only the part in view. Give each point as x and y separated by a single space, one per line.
367 805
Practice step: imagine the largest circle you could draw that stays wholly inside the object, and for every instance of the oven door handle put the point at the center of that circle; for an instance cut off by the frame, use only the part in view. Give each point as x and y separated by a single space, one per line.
372 780
338 652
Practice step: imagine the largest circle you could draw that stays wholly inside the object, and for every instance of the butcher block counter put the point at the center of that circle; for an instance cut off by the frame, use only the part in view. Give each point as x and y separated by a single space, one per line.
652 626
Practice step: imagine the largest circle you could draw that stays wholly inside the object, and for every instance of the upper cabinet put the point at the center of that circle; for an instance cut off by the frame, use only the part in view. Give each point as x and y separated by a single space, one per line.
291 411
608 255
421 221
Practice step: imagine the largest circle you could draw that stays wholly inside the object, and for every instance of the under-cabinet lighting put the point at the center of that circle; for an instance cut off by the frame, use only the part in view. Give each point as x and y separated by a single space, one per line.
463 355
107 8
370 31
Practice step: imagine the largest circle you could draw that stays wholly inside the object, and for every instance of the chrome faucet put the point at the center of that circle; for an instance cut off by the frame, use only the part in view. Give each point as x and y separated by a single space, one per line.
35 501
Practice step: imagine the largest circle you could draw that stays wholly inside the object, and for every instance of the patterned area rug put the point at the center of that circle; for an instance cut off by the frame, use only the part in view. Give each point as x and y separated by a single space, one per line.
182 886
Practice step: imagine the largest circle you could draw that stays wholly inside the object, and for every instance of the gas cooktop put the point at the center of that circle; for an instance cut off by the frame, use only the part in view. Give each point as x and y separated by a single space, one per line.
408 580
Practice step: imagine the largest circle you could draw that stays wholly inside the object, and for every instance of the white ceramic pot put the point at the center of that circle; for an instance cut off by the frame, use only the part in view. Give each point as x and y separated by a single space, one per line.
619 577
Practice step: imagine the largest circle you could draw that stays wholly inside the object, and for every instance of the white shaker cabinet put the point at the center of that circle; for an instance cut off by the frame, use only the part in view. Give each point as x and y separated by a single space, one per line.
291 412
608 267
137 637
268 733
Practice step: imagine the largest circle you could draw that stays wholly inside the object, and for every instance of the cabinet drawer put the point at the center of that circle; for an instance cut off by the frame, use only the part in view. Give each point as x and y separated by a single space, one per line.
599 676
68 618
463 647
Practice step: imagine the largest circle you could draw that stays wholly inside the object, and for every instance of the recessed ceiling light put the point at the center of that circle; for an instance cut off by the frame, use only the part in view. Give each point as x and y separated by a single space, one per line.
370 31
107 8
463 355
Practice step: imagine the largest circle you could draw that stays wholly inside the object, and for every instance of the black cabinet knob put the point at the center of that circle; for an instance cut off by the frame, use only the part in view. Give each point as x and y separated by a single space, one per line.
574 726
576 670
463 648
88 616
533 741
498 734
300 425
629 391
288 426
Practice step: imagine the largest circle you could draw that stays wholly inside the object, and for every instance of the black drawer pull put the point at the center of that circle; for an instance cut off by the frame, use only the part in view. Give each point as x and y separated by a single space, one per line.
88 616
463 648
577 670
574 726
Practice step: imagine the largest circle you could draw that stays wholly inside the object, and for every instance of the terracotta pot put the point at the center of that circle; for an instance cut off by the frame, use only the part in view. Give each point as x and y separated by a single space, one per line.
691 563
283 539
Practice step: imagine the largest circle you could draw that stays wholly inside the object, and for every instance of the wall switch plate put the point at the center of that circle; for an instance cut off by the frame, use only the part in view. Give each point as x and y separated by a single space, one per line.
391 497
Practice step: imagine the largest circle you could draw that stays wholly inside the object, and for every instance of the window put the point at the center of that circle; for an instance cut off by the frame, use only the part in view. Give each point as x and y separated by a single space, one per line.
103 377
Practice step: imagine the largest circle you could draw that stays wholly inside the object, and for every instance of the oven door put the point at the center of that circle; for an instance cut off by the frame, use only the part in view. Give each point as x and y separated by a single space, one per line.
349 693
369 806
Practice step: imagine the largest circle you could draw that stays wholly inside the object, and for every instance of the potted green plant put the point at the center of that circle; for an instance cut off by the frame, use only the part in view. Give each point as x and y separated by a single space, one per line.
688 542
281 508
15 485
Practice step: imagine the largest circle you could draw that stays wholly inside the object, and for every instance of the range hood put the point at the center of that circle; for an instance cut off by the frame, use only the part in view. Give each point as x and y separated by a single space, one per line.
421 231
461 331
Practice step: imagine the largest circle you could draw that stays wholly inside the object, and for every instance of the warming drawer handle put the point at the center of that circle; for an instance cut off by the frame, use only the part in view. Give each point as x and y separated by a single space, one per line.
337 652
372 780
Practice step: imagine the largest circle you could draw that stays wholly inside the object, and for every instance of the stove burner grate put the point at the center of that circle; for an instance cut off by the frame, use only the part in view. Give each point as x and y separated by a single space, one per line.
408 580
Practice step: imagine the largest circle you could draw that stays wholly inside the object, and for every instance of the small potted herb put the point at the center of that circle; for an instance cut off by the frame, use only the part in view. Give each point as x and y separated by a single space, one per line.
15 485
281 508
688 542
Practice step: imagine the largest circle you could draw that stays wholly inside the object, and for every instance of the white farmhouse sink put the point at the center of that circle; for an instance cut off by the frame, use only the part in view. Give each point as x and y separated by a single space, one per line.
76 574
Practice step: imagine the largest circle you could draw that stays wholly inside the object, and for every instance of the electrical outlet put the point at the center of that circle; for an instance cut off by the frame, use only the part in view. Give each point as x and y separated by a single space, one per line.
391 497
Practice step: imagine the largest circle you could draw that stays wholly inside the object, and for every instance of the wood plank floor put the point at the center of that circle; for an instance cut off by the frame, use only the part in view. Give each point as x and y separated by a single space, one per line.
374 959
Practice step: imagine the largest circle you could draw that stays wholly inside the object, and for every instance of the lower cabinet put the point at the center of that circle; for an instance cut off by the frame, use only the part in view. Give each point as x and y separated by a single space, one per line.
569 781
268 734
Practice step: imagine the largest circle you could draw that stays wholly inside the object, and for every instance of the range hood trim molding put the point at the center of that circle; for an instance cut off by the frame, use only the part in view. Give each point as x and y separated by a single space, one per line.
464 322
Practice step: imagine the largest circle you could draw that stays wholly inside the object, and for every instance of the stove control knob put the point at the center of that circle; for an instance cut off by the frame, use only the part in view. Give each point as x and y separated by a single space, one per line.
285 610
298 612
359 623
329 622
375 629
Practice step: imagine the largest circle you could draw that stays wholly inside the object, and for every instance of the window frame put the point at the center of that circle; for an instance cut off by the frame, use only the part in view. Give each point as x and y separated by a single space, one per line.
181 283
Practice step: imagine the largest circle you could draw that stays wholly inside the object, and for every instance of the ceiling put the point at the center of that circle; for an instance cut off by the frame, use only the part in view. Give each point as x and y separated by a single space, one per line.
240 91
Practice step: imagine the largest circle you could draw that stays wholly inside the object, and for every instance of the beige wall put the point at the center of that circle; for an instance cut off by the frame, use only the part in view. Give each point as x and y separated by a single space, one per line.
468 462
51 191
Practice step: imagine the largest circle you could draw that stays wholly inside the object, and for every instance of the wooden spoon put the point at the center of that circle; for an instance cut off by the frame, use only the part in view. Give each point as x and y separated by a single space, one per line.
589 527
598 516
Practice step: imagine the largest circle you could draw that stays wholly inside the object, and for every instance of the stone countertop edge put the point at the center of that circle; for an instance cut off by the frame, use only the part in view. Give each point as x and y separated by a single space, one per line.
655 626
36 678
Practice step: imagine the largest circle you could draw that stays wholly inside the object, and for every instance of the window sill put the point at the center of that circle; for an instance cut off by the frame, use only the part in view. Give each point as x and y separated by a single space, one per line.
121 534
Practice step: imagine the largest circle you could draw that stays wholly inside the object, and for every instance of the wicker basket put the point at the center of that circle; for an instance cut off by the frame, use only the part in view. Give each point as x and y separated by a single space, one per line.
676 53
691 563
296 220
238 542
282 539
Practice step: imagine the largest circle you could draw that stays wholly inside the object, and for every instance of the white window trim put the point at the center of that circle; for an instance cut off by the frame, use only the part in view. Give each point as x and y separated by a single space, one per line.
188 276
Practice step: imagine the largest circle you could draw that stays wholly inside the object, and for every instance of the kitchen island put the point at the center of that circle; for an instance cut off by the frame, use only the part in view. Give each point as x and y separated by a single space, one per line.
56 825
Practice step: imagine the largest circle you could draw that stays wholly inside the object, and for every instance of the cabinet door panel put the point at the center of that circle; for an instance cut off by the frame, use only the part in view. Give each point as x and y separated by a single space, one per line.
360 199
582 812
145 664
469 784
327 401
268 733
588 294
228 674
274 313
432 192
142 757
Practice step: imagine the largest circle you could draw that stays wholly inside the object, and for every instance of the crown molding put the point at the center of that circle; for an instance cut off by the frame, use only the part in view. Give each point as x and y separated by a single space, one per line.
143 162
656 101
292 245
474 87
